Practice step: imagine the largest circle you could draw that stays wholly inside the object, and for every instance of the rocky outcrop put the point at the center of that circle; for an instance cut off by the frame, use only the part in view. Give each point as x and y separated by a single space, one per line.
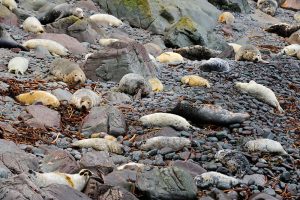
162 15
113 62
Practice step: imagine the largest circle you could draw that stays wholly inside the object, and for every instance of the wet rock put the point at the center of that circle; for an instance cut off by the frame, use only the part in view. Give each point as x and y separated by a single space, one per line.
262 196
124 179
134 83
166 183
191 167
208 114
113 62
97 161
42 117
59 160
104 119
72 44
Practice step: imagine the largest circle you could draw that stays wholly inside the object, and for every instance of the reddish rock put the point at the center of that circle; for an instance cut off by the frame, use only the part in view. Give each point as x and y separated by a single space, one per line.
42 116
87 5
7 17
67 41
291 5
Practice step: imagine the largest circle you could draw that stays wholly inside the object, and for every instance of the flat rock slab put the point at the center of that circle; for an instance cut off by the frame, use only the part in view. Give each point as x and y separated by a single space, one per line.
291 5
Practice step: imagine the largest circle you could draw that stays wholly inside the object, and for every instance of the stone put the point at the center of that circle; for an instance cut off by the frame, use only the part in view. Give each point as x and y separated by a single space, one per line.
15 160
118 97
42 117
123 179
233 5
59 160
133 83
42 52
158 16
81 29
104 119
291 5
191 167
64 192
62 94
7 17
72 44
113 62
98 161
153 49
257 179
262 196
87 5
166 183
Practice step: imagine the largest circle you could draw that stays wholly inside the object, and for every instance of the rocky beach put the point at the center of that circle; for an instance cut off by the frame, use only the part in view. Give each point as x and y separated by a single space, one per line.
150 99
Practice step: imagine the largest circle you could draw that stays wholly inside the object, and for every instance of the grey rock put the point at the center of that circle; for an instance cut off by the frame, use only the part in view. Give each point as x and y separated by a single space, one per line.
64 192
133 83
166 183
257 179
191 167
42 52
233 5
113 62
123 179
59 160
62 95
118 97
104 119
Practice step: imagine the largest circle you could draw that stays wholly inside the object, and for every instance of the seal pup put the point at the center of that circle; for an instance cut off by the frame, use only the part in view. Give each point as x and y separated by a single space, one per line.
159 142
67 71
265 145
226 17
156 84
53 47
10 4
7 42
36 96
214 64
260 92
76 181
131 166
217 179
60 11
165 119
32 24
267 6
85 98
169 57
291 50
193 80
18 65
249 53
99 144
235 47
234 161
106 20
106 42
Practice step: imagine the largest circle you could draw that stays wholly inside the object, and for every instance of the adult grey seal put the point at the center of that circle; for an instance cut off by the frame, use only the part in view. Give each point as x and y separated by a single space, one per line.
7 42
60 11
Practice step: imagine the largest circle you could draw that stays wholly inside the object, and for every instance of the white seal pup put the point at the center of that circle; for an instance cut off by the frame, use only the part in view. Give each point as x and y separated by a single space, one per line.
165 119
99 144
105 42
35 96
32 24
85 98
265 145
235 47
170 58
217 179
18 65
53 47
227 18
159 142
260 92
76 181
131 166
10 4
106 19
291 50
249 53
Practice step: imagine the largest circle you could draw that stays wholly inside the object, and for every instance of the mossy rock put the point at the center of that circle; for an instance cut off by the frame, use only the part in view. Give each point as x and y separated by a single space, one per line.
186 23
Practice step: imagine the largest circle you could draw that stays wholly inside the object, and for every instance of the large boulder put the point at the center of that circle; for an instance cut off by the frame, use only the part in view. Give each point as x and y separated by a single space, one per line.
113 62
233 5
7 17
159 15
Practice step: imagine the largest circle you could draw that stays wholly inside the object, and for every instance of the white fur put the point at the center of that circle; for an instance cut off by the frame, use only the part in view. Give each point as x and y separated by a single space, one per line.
52 46
18 64
106 42
169 57
106 19
159 142
291 50
85 97
87 56
130 165
46 179
99 144
235 46
215 178
10 4
78 13
165 119
260 92
265 145
32 24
